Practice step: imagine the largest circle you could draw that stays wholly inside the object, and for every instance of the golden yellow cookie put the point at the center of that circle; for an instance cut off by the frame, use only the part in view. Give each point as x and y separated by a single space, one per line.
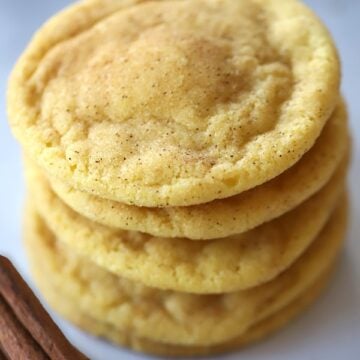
164 315
215 266
70 310
225 217
171 103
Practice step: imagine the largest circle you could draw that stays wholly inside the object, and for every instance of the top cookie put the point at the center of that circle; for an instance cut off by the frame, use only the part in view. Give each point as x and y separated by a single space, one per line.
167 103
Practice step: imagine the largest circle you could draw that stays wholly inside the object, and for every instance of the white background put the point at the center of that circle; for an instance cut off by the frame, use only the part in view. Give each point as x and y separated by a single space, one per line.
331 328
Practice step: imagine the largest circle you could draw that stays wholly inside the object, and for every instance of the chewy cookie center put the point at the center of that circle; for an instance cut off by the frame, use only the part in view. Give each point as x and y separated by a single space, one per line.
183 85
164 75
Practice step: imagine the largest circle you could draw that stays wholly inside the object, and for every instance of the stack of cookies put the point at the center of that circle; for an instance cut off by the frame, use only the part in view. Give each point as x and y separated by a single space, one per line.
186 165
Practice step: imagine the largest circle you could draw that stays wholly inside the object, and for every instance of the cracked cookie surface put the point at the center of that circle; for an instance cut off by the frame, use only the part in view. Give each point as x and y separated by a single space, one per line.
171 103
224 217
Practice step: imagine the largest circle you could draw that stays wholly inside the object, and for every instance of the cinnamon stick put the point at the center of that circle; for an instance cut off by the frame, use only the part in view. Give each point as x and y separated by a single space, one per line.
14 339
22 313
2 355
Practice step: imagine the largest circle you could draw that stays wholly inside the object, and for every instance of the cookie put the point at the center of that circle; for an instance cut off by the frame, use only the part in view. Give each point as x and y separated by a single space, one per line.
70 310
166 316
225 217
215 266
173 103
